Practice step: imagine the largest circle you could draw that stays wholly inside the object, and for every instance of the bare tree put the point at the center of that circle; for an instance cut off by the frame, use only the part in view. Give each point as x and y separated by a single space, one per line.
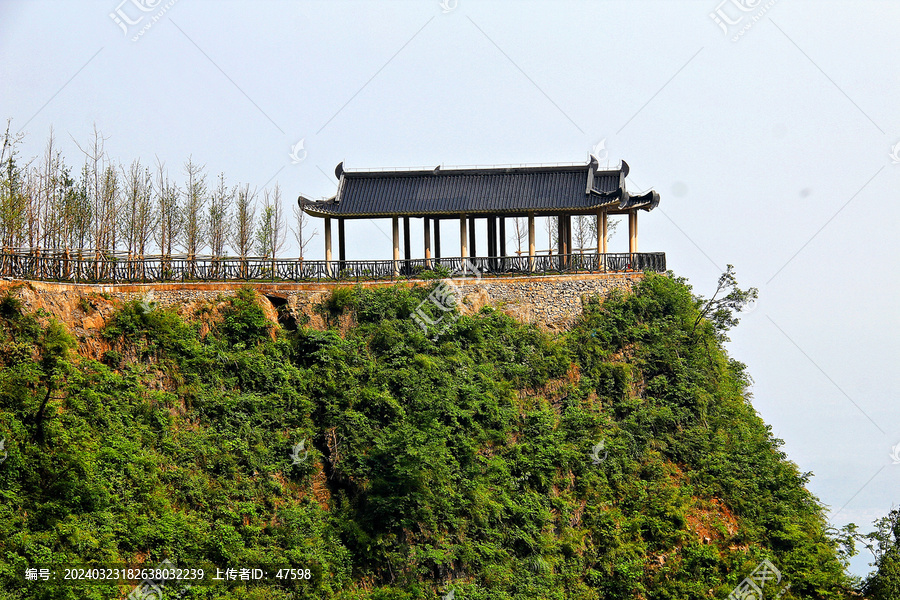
74 212
8 151
243 221
44 171
583 235
32 233
130 196
520 233
270 234
193 207
301 219
14 197
63 209
100 180
106 221
168 211
81 227
49 197
138 218
145 216
219 217
551 224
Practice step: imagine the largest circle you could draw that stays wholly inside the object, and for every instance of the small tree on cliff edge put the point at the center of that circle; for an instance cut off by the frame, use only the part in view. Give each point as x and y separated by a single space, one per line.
303 238
727 300
884 543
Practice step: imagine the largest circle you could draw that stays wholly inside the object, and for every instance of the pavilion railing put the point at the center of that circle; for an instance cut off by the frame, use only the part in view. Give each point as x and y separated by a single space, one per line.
93 268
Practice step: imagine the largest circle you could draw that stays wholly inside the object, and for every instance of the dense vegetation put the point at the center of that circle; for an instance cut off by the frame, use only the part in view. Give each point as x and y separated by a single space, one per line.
620 460
884 543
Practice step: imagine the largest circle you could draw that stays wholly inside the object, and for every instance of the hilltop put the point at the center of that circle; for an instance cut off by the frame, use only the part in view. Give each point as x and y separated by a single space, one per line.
621 459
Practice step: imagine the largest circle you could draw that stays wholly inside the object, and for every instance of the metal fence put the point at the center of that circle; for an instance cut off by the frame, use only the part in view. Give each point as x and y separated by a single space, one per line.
92 268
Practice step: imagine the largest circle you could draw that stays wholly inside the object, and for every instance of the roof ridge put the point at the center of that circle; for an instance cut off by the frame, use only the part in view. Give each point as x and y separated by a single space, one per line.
455 167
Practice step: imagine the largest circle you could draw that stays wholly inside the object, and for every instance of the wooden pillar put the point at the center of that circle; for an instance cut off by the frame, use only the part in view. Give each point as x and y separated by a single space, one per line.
463 243
564 241
601 231
472 237
601 239
396 227
328 245
632 231
406 241
569 248
502 236
342 247
437 238
531 241
427 230
491 237
560 234
494 263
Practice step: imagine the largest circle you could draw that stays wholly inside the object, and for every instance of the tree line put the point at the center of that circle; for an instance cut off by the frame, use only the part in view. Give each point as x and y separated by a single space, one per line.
105 208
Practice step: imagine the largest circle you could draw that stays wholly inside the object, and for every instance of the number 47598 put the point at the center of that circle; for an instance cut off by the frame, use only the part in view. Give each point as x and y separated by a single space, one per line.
293 574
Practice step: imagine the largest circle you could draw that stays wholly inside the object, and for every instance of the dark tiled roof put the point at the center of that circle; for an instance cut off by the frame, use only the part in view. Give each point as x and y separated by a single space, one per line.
494 190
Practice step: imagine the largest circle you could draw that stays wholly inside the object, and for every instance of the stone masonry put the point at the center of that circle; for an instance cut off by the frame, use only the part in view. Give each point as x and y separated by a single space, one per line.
552 302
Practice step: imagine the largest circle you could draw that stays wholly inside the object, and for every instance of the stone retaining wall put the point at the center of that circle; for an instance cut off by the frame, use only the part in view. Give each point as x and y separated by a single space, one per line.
553 302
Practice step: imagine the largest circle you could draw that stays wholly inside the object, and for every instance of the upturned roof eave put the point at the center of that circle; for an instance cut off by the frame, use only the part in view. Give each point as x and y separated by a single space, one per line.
612 205
614 201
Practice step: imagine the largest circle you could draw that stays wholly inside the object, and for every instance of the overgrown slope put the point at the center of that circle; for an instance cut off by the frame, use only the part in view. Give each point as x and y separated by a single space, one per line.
622 460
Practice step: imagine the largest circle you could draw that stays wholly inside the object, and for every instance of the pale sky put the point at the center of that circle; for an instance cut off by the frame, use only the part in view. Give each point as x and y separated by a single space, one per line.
771 152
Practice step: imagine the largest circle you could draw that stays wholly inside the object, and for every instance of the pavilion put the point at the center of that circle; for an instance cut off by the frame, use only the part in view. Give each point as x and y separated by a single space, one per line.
490 193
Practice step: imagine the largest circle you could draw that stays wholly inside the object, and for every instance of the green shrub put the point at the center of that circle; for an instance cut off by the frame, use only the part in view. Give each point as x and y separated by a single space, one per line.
10 306
112 358
342 299
85 305
244 320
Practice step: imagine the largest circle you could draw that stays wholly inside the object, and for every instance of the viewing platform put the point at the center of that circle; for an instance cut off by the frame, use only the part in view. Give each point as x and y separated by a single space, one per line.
464 203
